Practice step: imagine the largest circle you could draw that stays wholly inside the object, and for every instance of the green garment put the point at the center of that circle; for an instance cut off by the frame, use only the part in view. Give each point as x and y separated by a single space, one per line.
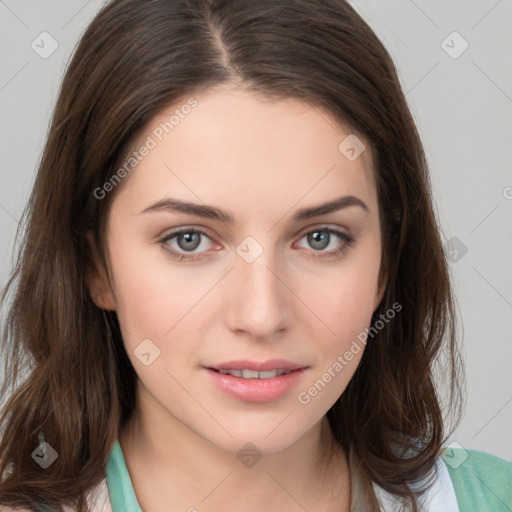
482 482
122 495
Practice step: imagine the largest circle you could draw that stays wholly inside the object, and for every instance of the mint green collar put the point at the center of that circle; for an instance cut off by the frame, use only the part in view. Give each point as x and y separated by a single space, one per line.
122 495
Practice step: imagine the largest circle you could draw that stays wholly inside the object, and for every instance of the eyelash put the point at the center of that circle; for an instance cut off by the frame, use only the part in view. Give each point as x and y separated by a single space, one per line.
347 240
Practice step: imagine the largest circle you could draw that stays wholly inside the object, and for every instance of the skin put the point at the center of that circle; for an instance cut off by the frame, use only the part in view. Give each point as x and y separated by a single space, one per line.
261 161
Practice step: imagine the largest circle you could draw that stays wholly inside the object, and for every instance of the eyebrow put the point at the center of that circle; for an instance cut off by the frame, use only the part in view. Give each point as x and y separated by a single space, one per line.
211 212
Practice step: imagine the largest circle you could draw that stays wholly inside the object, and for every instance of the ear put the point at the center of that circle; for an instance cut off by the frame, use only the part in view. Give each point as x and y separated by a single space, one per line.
96 276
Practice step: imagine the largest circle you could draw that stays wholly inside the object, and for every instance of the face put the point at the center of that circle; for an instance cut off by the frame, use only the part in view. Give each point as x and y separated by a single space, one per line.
220 263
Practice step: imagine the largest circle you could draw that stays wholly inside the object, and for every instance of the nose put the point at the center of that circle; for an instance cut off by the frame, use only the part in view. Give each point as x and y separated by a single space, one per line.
260 301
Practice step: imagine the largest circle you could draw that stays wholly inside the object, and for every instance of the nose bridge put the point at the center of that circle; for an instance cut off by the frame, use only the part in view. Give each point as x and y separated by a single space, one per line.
259 303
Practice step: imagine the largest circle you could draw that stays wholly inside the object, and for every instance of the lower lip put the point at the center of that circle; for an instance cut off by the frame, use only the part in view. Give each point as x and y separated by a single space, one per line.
255 390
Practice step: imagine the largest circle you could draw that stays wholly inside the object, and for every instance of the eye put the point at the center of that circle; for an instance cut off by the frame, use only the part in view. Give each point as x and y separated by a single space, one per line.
187 241
321 238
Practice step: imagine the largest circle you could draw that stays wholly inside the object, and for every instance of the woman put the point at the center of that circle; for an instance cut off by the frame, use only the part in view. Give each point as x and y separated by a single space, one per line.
232 289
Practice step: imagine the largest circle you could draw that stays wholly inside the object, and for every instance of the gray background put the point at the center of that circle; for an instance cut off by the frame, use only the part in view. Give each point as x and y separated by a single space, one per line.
462 103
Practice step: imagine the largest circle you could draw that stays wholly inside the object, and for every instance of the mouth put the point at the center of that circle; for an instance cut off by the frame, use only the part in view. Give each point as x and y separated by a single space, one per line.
253 374
251 381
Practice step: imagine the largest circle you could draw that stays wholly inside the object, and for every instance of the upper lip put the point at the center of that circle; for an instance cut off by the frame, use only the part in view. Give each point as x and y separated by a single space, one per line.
260 366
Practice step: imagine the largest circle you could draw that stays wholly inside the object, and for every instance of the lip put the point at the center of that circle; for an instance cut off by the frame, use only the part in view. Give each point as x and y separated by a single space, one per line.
259 366
255 390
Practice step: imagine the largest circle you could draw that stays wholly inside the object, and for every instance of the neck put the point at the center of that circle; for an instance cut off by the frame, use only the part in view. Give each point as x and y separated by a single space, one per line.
171 464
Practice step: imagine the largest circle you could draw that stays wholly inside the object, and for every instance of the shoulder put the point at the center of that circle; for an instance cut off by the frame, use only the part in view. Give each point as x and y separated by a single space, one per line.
481 481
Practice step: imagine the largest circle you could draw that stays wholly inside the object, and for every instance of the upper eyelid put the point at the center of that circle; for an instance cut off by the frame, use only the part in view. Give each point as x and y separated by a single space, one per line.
205 231
322 227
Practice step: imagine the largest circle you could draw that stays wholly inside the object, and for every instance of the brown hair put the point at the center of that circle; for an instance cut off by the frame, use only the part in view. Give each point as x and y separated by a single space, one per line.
65 361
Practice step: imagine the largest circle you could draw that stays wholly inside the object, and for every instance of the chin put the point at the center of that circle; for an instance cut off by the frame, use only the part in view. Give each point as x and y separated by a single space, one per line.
264 435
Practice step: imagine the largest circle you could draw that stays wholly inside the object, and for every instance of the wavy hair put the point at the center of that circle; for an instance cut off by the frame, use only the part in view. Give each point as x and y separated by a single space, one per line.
66 370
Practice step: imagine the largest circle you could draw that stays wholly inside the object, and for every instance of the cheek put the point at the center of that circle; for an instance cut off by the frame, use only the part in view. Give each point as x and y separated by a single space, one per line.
150 299
347 312
346 309
344 298
166 305
345 301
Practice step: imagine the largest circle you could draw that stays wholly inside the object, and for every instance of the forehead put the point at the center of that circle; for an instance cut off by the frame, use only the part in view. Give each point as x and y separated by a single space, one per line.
234 147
